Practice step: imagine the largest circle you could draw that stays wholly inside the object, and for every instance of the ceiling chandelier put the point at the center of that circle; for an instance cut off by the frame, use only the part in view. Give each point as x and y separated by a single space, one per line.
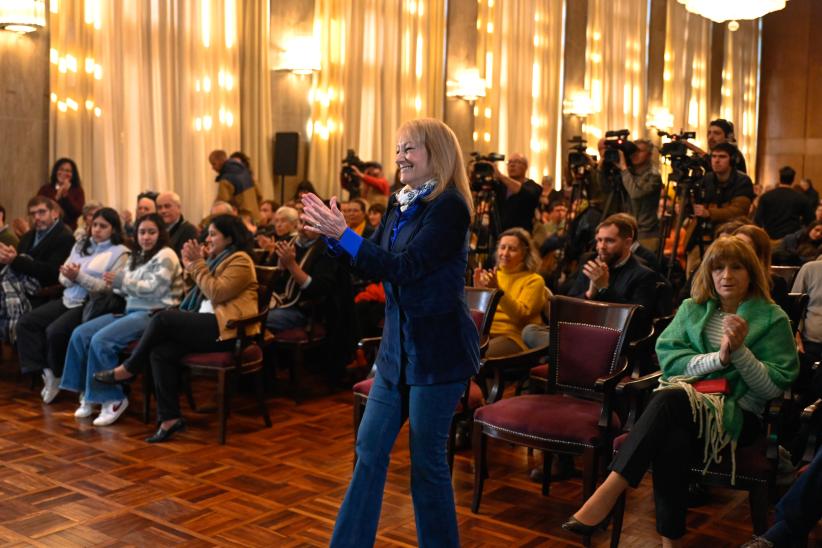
22 15
720 11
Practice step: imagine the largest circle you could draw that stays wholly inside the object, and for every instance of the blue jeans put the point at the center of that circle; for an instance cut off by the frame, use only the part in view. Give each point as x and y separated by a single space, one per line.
280 319
799 510
96 346
430 410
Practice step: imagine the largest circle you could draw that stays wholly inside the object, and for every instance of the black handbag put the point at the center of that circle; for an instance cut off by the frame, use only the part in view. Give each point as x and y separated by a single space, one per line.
103 302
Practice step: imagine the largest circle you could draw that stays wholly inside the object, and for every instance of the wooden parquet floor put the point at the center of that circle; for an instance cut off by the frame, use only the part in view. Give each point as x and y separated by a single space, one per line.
64 482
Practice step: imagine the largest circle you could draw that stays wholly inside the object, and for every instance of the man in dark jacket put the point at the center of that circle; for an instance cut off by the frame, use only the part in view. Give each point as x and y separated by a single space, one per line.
169 207
783 210
236 186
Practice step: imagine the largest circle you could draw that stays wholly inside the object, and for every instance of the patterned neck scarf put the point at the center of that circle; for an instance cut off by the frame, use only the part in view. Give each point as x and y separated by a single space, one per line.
408 195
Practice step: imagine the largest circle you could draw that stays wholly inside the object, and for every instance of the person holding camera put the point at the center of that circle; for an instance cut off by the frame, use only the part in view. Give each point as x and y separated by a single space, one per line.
642 183
368 183
719 131
517 196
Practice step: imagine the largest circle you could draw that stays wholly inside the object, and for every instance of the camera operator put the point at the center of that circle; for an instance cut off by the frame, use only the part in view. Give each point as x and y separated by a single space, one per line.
376 188
517 197
719 131
642 183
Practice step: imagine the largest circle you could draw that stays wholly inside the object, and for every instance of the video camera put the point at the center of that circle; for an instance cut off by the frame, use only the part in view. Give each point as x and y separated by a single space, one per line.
578 158
615 141
482 176
683 165
348 178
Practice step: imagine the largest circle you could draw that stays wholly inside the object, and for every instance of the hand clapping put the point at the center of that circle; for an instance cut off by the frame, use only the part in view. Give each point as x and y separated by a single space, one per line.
192 251
597 271
70 271
735 329
485 278
286 254
321 219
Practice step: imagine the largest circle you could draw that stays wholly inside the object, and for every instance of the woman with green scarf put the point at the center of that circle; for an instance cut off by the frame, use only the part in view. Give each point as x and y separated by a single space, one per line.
225 289
729 329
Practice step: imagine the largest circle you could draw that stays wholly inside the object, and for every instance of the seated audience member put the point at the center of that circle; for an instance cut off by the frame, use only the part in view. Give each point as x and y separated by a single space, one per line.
800 247
7 235
267 210
759 241
729 330
645 255
64 188
375 215
797 512
286 223
818 215
217 208
809 336
805 186
20 226
354 212
234 183
146 203
551 222
34 265
303 187
43 333
84 222
524 291
614 275
169 208
151 281
225 289
783 210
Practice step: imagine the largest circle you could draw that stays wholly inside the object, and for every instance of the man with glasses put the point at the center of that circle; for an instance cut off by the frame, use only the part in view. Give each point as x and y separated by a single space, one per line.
517 196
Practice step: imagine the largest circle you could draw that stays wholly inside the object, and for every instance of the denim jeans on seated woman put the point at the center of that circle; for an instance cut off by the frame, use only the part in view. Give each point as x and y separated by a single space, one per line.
429 410
96 346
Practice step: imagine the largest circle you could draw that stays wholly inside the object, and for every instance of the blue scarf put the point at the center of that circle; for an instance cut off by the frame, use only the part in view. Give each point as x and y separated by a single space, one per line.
409 205
195 297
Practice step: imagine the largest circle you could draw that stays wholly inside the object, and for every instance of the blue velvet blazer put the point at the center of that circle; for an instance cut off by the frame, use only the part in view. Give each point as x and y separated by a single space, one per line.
429 336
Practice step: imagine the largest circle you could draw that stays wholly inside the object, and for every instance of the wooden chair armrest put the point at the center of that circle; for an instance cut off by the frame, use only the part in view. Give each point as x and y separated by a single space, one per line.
246 321
645 382
809 412
607 384
369 343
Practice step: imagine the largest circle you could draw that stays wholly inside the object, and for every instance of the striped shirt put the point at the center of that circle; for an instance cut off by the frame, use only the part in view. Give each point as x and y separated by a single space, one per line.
755 373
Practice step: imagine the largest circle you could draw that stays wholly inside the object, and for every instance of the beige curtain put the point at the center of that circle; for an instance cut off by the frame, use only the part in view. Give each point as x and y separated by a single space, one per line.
740 87
686 83
616 67
165 78
256 131
387 72
520 50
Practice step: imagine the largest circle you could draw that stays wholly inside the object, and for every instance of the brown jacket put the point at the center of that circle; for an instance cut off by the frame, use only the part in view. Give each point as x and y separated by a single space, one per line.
232 289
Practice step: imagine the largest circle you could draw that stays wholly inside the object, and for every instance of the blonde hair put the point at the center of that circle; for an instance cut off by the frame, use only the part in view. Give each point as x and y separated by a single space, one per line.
723 251
444 156
530 256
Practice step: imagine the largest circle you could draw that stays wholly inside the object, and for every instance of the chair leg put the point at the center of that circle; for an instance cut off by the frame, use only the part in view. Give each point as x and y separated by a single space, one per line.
758 498
589 473
480 445
547 461
618 516
222 403
259 381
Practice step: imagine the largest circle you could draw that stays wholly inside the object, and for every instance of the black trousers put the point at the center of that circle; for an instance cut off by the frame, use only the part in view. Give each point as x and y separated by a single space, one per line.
170 335
665 436
43 336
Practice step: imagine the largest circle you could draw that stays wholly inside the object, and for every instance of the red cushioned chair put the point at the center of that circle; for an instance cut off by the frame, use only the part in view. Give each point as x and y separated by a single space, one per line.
575 416
756 464
482 303
245 359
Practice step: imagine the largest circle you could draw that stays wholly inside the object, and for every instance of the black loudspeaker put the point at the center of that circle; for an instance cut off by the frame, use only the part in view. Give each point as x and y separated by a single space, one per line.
286 150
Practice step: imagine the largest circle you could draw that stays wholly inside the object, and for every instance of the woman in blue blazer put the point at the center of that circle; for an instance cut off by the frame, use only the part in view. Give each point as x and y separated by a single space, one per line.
430 346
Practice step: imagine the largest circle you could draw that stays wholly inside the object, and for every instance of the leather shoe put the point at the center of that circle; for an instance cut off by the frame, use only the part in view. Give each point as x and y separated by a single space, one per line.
573 525
107 377
164 435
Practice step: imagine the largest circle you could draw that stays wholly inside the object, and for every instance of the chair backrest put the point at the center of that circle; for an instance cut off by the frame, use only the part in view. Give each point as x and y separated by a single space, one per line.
586 342
266 276
787 273
797 305
482 303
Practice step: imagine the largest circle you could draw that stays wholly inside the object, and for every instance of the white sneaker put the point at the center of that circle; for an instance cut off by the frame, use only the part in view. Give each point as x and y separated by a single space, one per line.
52 386
111 412
85 410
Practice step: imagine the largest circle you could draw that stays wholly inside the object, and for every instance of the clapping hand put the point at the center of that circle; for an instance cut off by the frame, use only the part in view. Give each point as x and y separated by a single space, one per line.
321 219
70 271
286 254
191 252
485 278
735 329
596 271
7 253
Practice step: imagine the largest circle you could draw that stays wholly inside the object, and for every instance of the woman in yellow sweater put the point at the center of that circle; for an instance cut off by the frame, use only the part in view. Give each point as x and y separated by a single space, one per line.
524 291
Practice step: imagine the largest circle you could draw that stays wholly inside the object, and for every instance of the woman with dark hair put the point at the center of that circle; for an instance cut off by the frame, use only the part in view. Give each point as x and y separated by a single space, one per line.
524 291
152 281
729 331
225 289
64 188
800 247
43 333
304 187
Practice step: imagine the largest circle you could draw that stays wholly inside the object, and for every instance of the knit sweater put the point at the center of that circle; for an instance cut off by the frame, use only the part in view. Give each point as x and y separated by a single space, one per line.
521 303
153 285
809 280
760 369
102 257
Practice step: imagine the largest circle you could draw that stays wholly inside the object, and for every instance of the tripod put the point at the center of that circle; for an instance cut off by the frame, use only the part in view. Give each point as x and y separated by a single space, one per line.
486 226
617 197
684 198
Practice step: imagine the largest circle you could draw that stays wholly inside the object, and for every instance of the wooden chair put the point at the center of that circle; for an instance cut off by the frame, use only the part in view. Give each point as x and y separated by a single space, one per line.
797 306
787 273
575 417
482 303
756 464
245 359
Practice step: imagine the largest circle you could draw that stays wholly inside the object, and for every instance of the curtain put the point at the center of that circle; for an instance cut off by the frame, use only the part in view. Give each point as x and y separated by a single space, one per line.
256 128
387 72
686 82
520 53
616 67
142 92
740 86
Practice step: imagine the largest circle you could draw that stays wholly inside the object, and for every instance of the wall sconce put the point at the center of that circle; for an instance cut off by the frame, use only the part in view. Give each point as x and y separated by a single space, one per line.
468 85
300 55
22 16
579 104
659 118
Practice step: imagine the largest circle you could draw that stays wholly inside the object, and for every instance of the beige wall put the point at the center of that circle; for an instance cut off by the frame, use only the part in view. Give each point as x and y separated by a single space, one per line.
24 111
